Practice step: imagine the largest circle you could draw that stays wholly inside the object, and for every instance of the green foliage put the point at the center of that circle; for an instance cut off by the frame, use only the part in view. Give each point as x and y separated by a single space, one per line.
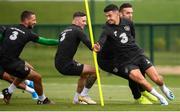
177 44
159 44
146 11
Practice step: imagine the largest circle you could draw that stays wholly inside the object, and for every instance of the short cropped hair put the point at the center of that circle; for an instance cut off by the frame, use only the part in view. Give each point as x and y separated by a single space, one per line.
111 7
79 14
125 5
26 14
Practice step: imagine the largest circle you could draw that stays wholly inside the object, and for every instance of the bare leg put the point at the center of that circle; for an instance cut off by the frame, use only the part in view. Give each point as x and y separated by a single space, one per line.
138 77
90 79
89 83
153 74
10 79
81 83
80 86
36 77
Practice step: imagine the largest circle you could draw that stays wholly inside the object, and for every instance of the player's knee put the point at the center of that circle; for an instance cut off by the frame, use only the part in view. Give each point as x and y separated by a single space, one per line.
93 71
89 70
94 75
142 81
37 77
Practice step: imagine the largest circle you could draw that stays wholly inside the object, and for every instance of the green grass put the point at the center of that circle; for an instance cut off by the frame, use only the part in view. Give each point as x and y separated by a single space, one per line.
61 89
117 96
47 12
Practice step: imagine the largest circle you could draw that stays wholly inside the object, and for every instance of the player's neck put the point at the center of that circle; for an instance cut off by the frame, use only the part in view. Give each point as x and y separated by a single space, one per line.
118 21
77 24
24 24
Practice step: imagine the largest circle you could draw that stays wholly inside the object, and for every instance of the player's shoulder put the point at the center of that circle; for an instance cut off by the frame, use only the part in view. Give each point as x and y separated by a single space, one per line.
75 27
72 29
2 29
20 28
107 27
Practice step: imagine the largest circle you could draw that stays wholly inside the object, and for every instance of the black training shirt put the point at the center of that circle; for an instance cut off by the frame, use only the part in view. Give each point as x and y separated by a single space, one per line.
15 38
118 42
69 41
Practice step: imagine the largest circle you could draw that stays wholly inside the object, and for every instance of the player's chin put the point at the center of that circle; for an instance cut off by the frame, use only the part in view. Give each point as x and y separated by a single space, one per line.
31 27
111 22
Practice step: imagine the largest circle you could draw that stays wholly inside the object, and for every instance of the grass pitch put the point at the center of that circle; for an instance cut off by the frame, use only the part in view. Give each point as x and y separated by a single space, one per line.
61 89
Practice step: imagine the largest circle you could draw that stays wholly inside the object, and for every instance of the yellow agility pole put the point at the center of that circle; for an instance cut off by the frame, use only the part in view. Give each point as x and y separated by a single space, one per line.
94 53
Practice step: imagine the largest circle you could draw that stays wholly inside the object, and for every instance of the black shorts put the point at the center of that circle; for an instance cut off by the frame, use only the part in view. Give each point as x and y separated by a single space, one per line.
70 68
16 68
110 66
141 62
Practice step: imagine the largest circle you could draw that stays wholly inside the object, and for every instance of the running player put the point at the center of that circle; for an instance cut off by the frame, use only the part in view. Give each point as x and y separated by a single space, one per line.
69 40
27 85
15 38
119 54
140 95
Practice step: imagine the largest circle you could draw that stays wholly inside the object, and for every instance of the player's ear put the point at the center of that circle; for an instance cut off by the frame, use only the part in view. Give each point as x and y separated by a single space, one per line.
120 14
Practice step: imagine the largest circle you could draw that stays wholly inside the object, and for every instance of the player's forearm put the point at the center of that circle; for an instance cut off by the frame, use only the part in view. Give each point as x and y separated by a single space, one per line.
46 41
101 41
102 38
88 44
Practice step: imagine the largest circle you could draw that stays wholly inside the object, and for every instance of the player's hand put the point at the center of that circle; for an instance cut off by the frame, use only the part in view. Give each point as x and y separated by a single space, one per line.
96 47
28 65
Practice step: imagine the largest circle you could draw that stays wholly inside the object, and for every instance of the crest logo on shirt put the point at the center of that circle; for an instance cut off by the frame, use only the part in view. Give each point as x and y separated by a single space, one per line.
115 33
78 64
115 70
148 62
126 28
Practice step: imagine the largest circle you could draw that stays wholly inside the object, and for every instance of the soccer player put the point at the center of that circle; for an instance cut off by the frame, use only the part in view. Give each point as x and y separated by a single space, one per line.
15 39
69 40
140 95
119 54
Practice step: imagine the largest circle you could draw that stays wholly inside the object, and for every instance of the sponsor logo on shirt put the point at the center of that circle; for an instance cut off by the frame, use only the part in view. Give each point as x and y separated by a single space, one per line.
115 33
